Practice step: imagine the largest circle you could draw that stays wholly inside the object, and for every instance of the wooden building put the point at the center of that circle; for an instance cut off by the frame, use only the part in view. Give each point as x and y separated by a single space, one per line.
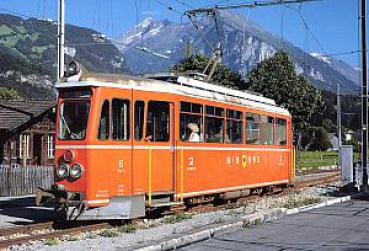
27 131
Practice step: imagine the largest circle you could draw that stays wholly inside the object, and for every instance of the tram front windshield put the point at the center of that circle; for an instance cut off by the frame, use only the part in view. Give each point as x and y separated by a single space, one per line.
73 118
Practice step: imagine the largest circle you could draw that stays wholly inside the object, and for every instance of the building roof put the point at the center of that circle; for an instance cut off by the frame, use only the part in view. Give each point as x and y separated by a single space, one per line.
15 113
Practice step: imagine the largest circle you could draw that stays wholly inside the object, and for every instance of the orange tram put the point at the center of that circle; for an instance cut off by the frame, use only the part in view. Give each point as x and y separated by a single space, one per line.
127 144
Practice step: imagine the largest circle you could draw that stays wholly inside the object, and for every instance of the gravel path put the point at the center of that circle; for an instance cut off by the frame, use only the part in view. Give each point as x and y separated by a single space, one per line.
153 231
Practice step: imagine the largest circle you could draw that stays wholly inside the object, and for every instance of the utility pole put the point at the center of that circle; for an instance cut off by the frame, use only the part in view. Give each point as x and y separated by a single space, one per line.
364 99
339 116
61 32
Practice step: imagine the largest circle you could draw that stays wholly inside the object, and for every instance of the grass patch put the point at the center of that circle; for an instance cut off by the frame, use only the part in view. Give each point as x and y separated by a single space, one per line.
51 242
258 222
177 218
109 233
295 203
310 159
315 159
128 228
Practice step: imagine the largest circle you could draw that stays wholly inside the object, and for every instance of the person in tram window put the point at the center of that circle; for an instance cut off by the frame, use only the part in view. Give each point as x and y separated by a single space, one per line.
221 135
194 135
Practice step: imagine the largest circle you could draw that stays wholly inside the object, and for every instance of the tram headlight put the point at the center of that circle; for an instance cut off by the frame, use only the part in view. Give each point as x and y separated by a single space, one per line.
76 171
62 171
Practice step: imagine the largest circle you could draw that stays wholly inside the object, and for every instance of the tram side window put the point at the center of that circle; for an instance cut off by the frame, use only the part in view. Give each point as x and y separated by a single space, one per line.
266 130
120 119
104 122
158 121
139 119
214 125
234 126
281 134
252 128
191 122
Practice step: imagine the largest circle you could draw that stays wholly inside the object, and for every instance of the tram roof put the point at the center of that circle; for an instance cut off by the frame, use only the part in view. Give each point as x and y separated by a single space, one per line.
182 86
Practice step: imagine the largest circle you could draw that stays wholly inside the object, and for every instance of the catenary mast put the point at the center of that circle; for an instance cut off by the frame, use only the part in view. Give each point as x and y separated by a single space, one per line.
364 99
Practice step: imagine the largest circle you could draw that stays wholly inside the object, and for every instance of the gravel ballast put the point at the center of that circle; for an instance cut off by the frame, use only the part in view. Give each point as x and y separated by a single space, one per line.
173 229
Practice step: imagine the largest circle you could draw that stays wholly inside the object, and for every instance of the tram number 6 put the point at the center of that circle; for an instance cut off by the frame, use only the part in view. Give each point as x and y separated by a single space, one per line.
120 165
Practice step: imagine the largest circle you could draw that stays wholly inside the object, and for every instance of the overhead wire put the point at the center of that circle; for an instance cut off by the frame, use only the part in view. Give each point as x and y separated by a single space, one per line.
201 33
307 27
168 7
184 4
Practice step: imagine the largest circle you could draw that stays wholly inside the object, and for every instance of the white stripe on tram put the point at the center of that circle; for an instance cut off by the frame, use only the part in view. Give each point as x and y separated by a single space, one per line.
200 148
97 201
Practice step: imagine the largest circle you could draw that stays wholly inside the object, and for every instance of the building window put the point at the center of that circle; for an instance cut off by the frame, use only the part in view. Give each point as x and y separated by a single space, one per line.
13 148
50 146
24 141
234 126
191 122
120 119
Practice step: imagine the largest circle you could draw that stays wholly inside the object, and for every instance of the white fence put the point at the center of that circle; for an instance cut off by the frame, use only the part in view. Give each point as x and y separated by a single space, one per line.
17 180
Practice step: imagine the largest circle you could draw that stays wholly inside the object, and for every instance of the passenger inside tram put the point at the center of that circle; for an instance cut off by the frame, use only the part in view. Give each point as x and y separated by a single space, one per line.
194 135
221 135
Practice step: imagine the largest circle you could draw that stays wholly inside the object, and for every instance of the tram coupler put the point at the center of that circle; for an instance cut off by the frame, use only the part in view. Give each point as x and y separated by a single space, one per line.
57 193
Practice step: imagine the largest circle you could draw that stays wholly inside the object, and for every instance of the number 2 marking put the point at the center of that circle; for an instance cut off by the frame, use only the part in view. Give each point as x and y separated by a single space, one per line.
191 160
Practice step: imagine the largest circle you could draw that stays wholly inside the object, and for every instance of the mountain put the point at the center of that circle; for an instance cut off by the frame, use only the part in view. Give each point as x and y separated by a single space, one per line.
244 45
28 51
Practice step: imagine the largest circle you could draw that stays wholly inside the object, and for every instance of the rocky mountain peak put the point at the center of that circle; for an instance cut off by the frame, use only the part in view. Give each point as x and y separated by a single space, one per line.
244 44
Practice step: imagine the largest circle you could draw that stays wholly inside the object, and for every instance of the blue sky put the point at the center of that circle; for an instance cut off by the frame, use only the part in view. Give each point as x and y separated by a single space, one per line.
333 23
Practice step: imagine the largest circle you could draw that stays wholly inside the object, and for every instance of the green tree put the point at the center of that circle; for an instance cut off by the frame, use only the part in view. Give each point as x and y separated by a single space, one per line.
9 94
276 78
319 139
223 75
328 125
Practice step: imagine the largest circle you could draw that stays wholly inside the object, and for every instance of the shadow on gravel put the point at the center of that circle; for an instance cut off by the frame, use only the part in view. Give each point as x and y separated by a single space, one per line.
34 214
23 208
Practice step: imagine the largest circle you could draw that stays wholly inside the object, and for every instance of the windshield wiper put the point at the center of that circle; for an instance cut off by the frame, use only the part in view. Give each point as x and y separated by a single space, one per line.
66 124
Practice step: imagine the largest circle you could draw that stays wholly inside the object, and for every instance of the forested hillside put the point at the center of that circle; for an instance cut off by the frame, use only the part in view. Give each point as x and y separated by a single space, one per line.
28 51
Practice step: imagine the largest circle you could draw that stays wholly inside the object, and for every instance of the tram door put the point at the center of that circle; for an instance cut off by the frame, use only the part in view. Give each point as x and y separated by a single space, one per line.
153 151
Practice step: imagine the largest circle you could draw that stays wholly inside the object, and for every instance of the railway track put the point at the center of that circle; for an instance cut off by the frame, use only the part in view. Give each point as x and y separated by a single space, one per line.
20 235
46 230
